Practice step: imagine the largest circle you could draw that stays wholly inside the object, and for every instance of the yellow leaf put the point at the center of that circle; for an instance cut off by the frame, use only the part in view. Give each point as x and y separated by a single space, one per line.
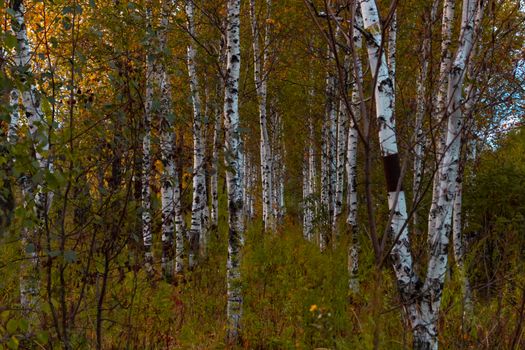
159 166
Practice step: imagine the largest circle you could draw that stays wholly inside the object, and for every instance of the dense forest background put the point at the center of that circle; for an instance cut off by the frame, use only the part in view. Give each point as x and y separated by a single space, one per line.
323 174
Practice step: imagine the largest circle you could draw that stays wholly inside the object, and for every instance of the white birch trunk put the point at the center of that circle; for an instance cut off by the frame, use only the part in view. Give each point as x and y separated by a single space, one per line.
384 100
279 168
328 155
12 131
459 248
179 224
198 202
439 110
234 160
214 179
391 59
342 141
151 77
309 200
351 165
260 66
332 153
29 269
457 237
167 151
307 218
437 267
421 105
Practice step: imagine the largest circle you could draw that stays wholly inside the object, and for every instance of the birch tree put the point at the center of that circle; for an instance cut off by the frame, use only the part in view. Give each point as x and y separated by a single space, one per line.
328 152
214 178
151 80
439 109
29 276
422 305
234 160
351 158
383 93
421 107
199 180
439 237
342 141
167 155
260 71
309 179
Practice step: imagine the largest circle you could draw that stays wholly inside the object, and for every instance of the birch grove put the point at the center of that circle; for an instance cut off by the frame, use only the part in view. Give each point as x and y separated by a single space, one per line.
356 182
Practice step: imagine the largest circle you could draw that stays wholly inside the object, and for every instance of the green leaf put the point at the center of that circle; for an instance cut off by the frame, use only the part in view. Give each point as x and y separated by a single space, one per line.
13 343
10 40
42 337
12 325
23 325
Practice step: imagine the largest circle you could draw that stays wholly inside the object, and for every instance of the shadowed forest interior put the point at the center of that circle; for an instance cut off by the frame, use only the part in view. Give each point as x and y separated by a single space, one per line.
258 174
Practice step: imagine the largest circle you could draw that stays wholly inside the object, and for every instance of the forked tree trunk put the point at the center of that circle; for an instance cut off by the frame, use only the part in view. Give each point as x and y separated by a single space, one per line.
439 238
401 255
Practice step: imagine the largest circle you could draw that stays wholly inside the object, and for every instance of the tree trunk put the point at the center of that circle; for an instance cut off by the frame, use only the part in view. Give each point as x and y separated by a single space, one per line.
384 100
421 107
214 178
309 200
328 155
199 184
341 153
260 68
351 165
151 80
38 132
234 159
439 109
167 154
439 242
